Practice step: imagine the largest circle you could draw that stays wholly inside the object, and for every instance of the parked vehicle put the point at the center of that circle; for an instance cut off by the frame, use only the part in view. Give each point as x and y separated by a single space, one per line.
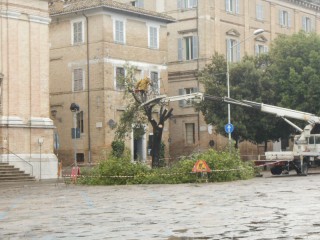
306 148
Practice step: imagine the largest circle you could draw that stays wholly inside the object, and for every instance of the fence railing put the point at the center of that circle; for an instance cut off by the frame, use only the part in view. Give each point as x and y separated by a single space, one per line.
18 158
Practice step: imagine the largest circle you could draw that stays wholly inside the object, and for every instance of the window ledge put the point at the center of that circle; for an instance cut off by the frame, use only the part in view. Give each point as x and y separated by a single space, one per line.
78 44
233 13
121 43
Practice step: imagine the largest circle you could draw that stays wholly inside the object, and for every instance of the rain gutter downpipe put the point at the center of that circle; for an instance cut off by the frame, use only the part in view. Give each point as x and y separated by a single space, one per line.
88 79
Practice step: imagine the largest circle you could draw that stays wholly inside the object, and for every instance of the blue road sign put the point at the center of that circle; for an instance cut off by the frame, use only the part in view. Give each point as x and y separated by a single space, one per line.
229 128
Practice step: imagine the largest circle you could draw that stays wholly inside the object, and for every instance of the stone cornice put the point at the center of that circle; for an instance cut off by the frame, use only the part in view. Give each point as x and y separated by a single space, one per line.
17 15
305 4
39 19
10 14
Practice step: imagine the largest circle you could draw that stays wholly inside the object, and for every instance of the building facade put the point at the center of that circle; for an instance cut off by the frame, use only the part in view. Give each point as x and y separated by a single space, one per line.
93 44
203 27
26 131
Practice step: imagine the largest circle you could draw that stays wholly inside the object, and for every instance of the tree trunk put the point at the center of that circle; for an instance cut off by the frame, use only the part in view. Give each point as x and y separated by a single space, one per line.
156 146
265 146
157 132
236 145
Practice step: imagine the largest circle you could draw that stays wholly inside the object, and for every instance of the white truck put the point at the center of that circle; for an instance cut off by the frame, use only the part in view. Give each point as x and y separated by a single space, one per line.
306 148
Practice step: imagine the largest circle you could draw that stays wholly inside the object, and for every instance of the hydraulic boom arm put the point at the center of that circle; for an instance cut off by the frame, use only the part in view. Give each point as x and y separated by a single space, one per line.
278 111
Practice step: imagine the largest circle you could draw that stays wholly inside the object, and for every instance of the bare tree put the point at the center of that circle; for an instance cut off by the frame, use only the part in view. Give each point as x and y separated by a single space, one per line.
139 111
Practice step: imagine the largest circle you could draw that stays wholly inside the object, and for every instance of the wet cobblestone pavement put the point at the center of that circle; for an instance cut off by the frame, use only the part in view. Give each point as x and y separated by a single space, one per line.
261 208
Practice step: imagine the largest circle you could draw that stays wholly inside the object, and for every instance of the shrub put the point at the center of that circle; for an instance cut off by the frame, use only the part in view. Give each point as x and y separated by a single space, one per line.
117 148
226 166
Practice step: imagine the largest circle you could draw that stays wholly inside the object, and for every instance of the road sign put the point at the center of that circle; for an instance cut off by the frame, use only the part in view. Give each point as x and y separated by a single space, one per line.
229 128
201 166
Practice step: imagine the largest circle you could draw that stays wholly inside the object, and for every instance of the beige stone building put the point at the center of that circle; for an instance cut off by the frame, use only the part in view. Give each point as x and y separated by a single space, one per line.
26 131
206 26
92 42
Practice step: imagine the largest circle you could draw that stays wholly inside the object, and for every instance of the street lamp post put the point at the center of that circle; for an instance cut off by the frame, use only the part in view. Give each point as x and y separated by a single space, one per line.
255 33
40 142
74 109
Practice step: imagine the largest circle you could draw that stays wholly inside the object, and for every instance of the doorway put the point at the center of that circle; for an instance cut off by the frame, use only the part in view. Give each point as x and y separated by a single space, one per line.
139 151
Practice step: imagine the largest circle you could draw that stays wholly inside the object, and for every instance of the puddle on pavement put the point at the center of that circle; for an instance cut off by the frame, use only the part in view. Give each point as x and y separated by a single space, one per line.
188 238
180 231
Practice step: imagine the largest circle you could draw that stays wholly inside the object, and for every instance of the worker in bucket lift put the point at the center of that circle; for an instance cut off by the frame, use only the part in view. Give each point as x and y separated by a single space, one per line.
142 87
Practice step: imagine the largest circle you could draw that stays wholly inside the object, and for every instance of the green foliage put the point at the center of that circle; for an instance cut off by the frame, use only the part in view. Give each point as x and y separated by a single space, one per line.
229 166
249 80
288 76
117 148
123 171
294 68
133 114
162 162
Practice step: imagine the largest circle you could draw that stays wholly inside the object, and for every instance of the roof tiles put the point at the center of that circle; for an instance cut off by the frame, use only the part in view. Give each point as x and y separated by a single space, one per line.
71 6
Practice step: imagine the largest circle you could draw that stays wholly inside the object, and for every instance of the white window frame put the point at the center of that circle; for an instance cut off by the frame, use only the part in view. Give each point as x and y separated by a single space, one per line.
306 24
187 4
155 87
123 21
80 121
232 6
188 90
259 12
188 48
73 22
116 86
233 53
73 80
261 49
153 41
284 19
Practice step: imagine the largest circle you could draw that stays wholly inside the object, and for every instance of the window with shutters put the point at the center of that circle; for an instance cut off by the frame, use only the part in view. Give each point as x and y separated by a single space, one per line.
232 6
185 4
233 50
77 32
119 78
259 12
119 31
80 124
78 80
260 49
190 133
153 37
155 83
188 48
284 19
189 102
306 24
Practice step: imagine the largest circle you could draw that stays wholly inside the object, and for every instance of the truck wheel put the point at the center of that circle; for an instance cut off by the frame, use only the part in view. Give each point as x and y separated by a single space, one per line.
276 170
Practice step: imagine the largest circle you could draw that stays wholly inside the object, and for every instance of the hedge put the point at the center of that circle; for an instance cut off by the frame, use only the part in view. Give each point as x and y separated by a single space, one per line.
225 166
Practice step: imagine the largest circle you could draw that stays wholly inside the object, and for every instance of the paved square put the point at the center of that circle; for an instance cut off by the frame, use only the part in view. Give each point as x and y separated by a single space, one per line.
261 208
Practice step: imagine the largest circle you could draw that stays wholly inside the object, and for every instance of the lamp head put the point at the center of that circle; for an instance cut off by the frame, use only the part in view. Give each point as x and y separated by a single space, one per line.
258 31
74 107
